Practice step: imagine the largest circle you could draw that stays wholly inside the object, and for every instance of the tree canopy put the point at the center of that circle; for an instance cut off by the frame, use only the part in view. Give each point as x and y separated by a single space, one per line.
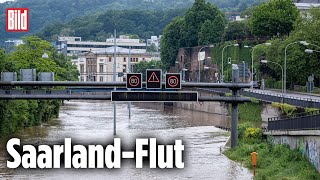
53 12
275 18
202 24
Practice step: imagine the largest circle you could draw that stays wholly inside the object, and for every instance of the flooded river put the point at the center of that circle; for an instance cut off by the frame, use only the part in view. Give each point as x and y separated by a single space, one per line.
91 122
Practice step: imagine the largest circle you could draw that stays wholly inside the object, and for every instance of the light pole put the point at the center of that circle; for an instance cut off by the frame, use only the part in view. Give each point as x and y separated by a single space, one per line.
285 62
282 85
222 72
310 51
252 58
199 76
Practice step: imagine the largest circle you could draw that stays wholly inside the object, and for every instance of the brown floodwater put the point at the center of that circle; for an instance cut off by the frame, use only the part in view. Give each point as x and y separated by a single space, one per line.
91 122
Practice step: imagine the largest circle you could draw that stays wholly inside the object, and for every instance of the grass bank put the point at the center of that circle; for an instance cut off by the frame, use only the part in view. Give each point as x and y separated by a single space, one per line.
274 161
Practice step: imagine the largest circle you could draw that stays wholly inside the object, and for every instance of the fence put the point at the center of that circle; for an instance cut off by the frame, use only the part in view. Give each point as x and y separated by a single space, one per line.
302 121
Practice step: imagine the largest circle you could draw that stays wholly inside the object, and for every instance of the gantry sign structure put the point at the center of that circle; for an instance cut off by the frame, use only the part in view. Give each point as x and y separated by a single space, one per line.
154 89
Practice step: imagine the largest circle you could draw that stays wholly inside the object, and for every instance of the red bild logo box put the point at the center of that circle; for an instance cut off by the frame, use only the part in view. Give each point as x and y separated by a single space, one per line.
17 19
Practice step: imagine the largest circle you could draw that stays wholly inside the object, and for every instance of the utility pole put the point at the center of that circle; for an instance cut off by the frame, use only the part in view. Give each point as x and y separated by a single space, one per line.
114 80
129 71
234 123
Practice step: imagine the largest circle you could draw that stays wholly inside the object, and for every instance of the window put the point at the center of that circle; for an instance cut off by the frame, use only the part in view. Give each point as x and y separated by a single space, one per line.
131 60
143 59
101 78
109 59
124 60
82 78
101 68
81 68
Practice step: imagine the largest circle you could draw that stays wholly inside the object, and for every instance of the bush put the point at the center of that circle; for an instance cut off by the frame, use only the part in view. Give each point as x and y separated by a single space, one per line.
252 135
286 109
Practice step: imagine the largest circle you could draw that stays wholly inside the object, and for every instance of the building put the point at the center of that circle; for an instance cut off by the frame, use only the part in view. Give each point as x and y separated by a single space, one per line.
98 65
73 46
304 5
11 44
154 40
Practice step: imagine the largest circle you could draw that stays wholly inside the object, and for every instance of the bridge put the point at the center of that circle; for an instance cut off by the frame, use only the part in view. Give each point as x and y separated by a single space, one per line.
304 100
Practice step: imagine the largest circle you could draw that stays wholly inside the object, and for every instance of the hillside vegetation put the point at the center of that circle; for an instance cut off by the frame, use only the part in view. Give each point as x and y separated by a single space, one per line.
45 13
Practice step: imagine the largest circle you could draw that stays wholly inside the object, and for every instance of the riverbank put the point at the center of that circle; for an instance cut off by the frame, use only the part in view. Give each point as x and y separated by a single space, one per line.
18 114
274 161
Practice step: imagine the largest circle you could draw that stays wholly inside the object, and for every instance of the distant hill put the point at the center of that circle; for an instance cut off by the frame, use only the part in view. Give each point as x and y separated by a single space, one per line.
46 12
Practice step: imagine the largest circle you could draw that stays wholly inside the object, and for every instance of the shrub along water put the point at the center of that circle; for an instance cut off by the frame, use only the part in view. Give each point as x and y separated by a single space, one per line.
17 114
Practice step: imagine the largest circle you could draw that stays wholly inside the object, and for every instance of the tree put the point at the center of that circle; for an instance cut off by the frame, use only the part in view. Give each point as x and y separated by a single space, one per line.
211 31
299 64
142 66
237 30
275 18
171 41
202 24
195 18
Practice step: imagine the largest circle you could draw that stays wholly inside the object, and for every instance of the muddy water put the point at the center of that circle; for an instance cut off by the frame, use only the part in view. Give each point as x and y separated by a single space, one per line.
92 123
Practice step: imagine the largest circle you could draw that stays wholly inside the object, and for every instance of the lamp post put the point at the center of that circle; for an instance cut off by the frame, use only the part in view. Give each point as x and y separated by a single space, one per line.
199 75
222 72
252 58
285 62
282 85
310 51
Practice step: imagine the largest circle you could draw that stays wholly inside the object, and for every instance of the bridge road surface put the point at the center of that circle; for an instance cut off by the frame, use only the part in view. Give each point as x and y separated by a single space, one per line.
91 122
289 94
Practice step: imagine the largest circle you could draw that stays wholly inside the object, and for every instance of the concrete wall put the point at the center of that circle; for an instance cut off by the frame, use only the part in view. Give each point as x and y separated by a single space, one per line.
307 145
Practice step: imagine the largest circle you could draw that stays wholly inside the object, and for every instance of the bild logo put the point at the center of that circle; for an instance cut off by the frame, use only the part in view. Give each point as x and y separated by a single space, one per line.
17 19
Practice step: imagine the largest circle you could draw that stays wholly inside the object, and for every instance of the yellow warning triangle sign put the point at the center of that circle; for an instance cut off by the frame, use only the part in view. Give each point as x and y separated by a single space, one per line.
153 78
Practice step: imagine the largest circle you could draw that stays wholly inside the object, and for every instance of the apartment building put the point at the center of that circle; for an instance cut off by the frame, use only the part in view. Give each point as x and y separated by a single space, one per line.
73 46
98 65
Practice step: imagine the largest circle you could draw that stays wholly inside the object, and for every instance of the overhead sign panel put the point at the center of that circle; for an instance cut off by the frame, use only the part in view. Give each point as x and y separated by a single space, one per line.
173 81
154 78
134 80
153 96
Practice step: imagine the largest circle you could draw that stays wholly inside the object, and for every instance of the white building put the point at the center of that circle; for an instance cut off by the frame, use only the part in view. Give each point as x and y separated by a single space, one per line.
11 44
98 65
74 45
307 6
154 40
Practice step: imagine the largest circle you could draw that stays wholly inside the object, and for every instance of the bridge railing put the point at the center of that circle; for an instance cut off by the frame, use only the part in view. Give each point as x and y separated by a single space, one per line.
301 121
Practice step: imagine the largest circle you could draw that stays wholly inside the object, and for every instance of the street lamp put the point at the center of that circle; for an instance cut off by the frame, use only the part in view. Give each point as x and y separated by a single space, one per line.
252 57
310 51
199 76
265 62
222 72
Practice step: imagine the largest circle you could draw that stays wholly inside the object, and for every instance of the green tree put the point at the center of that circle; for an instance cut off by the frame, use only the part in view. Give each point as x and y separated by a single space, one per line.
171 41
237 30
142 66
276 17
211 31
299 64
195 18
